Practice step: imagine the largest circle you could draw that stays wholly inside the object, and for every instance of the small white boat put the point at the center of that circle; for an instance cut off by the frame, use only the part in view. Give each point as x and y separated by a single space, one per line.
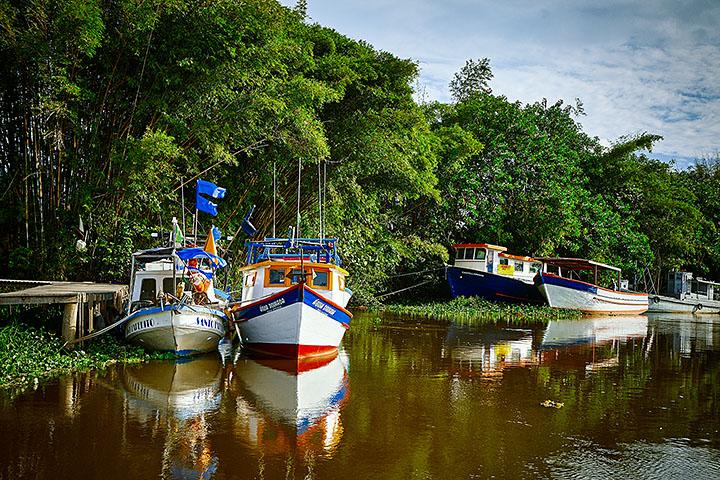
564 289
293 298
161 315
681 298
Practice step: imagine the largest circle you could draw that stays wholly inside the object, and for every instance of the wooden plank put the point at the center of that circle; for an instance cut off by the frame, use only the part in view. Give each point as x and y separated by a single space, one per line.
35 300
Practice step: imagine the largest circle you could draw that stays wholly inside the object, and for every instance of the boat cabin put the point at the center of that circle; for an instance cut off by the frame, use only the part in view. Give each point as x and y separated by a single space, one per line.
484 257
160 275
582 269
682 285
274 265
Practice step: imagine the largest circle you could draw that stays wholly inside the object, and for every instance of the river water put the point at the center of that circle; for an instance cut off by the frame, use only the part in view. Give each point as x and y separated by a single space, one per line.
638 397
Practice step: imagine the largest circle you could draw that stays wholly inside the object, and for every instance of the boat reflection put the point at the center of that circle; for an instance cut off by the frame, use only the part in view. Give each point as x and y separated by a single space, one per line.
565 343
175 397
688 335
290 406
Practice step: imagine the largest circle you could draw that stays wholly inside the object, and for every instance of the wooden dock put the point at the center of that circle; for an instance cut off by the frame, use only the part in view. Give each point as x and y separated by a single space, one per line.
83 302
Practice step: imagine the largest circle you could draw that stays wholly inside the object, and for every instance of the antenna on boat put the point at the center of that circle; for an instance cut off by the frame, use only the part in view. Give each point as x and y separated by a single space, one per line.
324 197
182 207
274 199
297 224
320 209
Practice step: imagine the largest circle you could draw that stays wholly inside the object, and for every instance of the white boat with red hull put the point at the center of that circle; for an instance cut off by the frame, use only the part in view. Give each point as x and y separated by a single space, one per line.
294 298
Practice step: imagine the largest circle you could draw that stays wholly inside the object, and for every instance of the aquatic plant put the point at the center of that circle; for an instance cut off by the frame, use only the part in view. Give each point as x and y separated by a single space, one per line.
467 310
29 355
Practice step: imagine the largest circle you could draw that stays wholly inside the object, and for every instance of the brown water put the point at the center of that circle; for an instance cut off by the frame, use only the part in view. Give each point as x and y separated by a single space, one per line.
641 400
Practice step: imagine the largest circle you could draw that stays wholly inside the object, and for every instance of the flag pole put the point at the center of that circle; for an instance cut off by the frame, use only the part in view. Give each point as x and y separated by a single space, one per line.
182 203
195 227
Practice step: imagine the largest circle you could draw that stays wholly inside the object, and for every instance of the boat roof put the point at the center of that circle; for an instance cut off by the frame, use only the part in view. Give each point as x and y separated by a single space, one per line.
517 257
709 282
185 254
480 245
576 263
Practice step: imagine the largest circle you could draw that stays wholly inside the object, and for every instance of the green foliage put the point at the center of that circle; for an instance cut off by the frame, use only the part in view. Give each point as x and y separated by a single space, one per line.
106 107
29 355
474 311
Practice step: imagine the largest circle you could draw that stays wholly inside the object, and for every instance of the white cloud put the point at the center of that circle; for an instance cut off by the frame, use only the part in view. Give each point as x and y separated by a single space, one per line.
637 66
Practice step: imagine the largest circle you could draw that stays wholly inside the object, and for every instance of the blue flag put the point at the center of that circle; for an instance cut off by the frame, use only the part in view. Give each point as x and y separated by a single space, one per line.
211 190
216 233
248 227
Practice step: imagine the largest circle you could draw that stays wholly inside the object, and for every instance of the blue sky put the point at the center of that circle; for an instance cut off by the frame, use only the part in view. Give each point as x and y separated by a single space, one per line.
637 66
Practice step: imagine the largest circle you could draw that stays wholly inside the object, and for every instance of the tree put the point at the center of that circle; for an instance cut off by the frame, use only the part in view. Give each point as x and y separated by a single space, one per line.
473 78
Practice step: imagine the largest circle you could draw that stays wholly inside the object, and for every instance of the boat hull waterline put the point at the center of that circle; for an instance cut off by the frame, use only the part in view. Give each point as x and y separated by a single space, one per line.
663 304
588 298
469 283
182 329
296 322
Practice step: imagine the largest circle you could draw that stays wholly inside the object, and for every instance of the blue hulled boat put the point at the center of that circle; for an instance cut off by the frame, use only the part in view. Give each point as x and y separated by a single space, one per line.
487 271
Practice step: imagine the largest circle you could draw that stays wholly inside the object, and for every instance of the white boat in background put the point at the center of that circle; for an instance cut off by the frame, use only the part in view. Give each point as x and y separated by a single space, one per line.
293 298
162 315
564 289
681 298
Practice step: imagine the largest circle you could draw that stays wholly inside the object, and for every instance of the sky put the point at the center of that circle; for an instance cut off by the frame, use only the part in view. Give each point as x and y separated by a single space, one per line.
637 66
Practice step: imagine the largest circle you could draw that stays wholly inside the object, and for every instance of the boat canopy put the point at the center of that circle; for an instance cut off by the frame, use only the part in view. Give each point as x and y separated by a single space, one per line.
576 263
480 245
320 250
184 254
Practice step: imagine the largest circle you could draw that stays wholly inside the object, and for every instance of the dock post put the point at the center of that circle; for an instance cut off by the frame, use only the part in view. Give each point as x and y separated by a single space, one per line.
69 326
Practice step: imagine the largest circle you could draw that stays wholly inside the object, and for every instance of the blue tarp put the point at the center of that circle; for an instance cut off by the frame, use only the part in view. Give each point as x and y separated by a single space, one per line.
189 253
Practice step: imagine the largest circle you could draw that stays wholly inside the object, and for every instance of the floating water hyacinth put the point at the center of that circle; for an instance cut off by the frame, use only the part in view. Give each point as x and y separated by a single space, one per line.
469 310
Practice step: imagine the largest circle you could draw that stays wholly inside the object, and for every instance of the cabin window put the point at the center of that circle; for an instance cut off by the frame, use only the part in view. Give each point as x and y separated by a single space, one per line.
535 267
504 261
320 278
277 276
460 254
169 286
469 253
147 289
295 276
250 279
479 254
519 266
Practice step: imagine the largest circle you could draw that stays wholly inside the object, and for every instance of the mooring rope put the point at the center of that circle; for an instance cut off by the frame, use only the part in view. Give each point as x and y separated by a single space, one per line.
403 289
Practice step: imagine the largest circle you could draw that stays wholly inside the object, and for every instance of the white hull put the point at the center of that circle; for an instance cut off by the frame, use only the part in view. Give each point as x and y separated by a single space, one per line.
602 301
297 328
662 304
183 330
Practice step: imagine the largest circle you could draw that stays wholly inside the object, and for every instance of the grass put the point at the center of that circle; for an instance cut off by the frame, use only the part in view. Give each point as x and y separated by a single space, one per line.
30 355
475 310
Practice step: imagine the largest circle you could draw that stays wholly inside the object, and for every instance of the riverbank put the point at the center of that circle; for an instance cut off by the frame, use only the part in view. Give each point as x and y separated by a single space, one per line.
31 355
477 310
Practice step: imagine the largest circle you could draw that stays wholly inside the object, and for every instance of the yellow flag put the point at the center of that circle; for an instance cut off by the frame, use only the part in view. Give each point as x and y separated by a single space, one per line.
210 244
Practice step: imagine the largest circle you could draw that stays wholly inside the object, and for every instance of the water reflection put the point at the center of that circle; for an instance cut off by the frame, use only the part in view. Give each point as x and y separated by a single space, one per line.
177 398
487 351
428 400
285 407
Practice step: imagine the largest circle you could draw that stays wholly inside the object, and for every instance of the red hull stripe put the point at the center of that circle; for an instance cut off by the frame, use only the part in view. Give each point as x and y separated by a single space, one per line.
289 350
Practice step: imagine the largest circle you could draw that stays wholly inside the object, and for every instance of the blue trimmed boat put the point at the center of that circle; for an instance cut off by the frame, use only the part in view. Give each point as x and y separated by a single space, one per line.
161 315
293 298
487 271
564 289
